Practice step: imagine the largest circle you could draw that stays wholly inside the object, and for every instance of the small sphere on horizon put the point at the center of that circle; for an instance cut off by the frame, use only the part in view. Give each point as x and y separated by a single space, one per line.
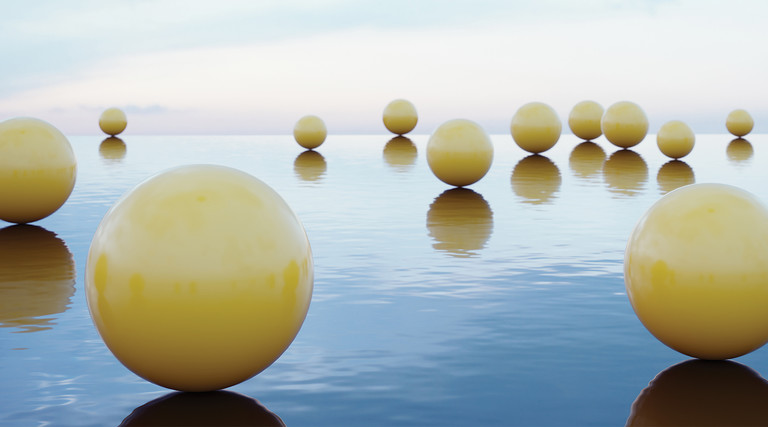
459 152
739 122
675 139
310 131
584 120
535 127
624 124
113 121
400 116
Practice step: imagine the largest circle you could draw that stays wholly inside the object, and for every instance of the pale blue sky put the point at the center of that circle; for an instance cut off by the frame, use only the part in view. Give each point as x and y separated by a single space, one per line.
243 67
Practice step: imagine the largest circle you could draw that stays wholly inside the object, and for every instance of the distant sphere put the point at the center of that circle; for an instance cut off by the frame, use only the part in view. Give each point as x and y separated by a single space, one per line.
535 127
459 152
675 139
310 131
584 120
400 116
739 123
113 121
624 124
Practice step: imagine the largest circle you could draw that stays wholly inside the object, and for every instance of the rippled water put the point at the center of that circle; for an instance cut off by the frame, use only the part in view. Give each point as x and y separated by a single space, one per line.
499 304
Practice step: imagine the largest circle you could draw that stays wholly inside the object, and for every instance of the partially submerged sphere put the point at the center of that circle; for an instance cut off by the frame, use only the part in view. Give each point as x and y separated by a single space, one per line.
113 121
675 139
37 170
400 116
624 124
739 123
199 278
535 127
696 271
310 131
584 120
459 152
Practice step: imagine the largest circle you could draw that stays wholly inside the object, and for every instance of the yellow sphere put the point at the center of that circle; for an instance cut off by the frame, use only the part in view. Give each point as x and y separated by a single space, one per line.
696 271
584 120
400 116
535 127
310 132
739 123
624 124
113 121
37 170
675 139
459 152
199 278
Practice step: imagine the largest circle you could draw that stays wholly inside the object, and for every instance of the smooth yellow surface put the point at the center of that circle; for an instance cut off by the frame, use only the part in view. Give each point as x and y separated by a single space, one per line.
113 121
673 175
739 122
675 139
460 221
37 170
586 160
310 132
625 172
584 120
400 153
310 166
199 278
624 124
696 271
739 150
459 152
535 127
536 179
400 116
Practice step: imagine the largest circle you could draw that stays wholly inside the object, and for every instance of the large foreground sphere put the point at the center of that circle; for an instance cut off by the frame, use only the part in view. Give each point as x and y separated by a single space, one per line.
584 120
535 127
739 123
624 124
696 271
113 121
459 152
400 116
310 131
675 139
199 278
37 170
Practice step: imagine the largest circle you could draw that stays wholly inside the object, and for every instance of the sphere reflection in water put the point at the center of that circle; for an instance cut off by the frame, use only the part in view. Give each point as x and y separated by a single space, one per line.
739 150
460 221
674 174
112 149
37 277
217 408
625 172
310 166
400 153
703 393
536 179
587 160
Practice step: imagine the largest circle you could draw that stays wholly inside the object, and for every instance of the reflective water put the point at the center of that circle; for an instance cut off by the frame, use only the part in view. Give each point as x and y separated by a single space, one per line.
499 304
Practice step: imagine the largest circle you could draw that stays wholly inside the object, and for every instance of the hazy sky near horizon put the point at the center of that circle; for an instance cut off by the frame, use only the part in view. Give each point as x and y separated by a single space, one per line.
247 67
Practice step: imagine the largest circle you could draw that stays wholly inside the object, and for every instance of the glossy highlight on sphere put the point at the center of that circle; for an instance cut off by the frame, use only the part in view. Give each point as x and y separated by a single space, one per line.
675 139
310 132
739 122
400 116
584 120
535 127
113 121
696 271
624 124
37 170
459 152
199 278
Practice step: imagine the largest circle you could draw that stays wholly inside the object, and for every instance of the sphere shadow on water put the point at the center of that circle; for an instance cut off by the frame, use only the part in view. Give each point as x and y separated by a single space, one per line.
536 179
698 393
400 153
310 166
674 174
37 277
739 151
112 149
216 408
625 172
460 221
586 160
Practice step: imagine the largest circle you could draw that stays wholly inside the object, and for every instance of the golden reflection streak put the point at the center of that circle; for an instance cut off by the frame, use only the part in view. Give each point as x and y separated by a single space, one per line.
310 166
112 149
673 175
460 221
586 160
739 150
400 153
536 179
625 172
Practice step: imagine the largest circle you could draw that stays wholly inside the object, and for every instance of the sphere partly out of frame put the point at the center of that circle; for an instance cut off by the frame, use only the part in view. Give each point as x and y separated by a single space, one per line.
535 127
113 121
739 122
37 170
310 131
696 271
199 278
400 116
624 124
584 120
675 139
459 152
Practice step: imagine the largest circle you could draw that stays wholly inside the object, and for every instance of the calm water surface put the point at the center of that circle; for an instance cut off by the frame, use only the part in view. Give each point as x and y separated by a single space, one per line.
501 304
